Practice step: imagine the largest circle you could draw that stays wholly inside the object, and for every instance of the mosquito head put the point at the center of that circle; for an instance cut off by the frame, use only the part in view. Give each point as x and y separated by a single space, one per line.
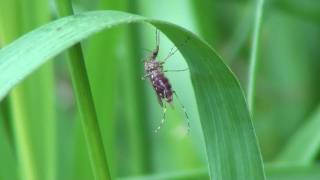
154 53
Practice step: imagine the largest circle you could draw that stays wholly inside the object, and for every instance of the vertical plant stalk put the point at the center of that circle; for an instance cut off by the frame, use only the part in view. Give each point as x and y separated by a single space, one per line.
85 104
253 55
139 143
23 139
240 34
5 113
31 115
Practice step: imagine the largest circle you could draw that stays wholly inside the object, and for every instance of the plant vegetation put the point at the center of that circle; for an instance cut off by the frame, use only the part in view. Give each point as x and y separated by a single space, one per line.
73 105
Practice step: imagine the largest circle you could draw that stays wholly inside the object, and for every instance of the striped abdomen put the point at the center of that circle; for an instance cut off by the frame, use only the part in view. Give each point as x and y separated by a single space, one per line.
161 85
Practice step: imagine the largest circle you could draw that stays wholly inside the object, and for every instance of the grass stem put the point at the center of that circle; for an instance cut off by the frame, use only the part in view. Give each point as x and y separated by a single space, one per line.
253 55
85 104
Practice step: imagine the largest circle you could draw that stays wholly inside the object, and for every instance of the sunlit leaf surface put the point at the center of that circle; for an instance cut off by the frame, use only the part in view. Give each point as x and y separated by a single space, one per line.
230 140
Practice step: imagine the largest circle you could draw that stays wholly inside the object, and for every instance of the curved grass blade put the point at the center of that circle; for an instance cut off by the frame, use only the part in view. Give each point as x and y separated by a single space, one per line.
229 135
231 144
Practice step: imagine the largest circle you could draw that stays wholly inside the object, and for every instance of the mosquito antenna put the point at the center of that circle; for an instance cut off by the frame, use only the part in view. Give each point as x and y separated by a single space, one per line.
154 53
185 112
174 49
164 110
157 38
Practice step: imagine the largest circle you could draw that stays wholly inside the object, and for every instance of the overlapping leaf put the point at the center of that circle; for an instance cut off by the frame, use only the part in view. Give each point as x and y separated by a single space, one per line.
230 140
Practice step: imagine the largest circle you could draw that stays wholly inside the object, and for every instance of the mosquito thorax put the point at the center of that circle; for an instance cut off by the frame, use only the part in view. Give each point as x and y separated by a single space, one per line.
151 65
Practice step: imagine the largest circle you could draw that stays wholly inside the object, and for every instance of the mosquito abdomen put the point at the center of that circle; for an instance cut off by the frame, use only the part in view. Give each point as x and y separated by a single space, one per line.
162 86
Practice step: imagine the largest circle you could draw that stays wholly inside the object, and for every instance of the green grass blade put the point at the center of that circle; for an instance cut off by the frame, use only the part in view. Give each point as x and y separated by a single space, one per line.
34 127
224 116
304 146
101 60
286 80
240 34
5 115
206 14
272 173
231 144
136 105
171 142
8 165
309 10
88 115
293 172
193 174
86 105
254 54
82 166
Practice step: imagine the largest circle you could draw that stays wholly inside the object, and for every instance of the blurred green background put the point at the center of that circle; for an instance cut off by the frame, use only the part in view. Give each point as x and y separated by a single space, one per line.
288 85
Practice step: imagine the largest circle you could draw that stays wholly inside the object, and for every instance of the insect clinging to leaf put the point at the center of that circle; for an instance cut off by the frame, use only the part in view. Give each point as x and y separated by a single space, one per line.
160 83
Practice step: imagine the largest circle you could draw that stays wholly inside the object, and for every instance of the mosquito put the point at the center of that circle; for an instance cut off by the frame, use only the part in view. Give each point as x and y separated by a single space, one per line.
155 73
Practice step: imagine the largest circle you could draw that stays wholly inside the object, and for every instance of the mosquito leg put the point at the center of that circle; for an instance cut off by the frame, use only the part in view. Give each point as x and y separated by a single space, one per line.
172 50
176 70
164 109
185 111
145 76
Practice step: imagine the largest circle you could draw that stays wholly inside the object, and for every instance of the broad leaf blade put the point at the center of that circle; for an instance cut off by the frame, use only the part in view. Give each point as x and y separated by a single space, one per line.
26 54
229 135
228 131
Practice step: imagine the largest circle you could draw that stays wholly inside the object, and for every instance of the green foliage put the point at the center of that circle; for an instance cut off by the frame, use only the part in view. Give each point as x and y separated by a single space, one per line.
307 137
271 50
30 116
272 173
224 116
